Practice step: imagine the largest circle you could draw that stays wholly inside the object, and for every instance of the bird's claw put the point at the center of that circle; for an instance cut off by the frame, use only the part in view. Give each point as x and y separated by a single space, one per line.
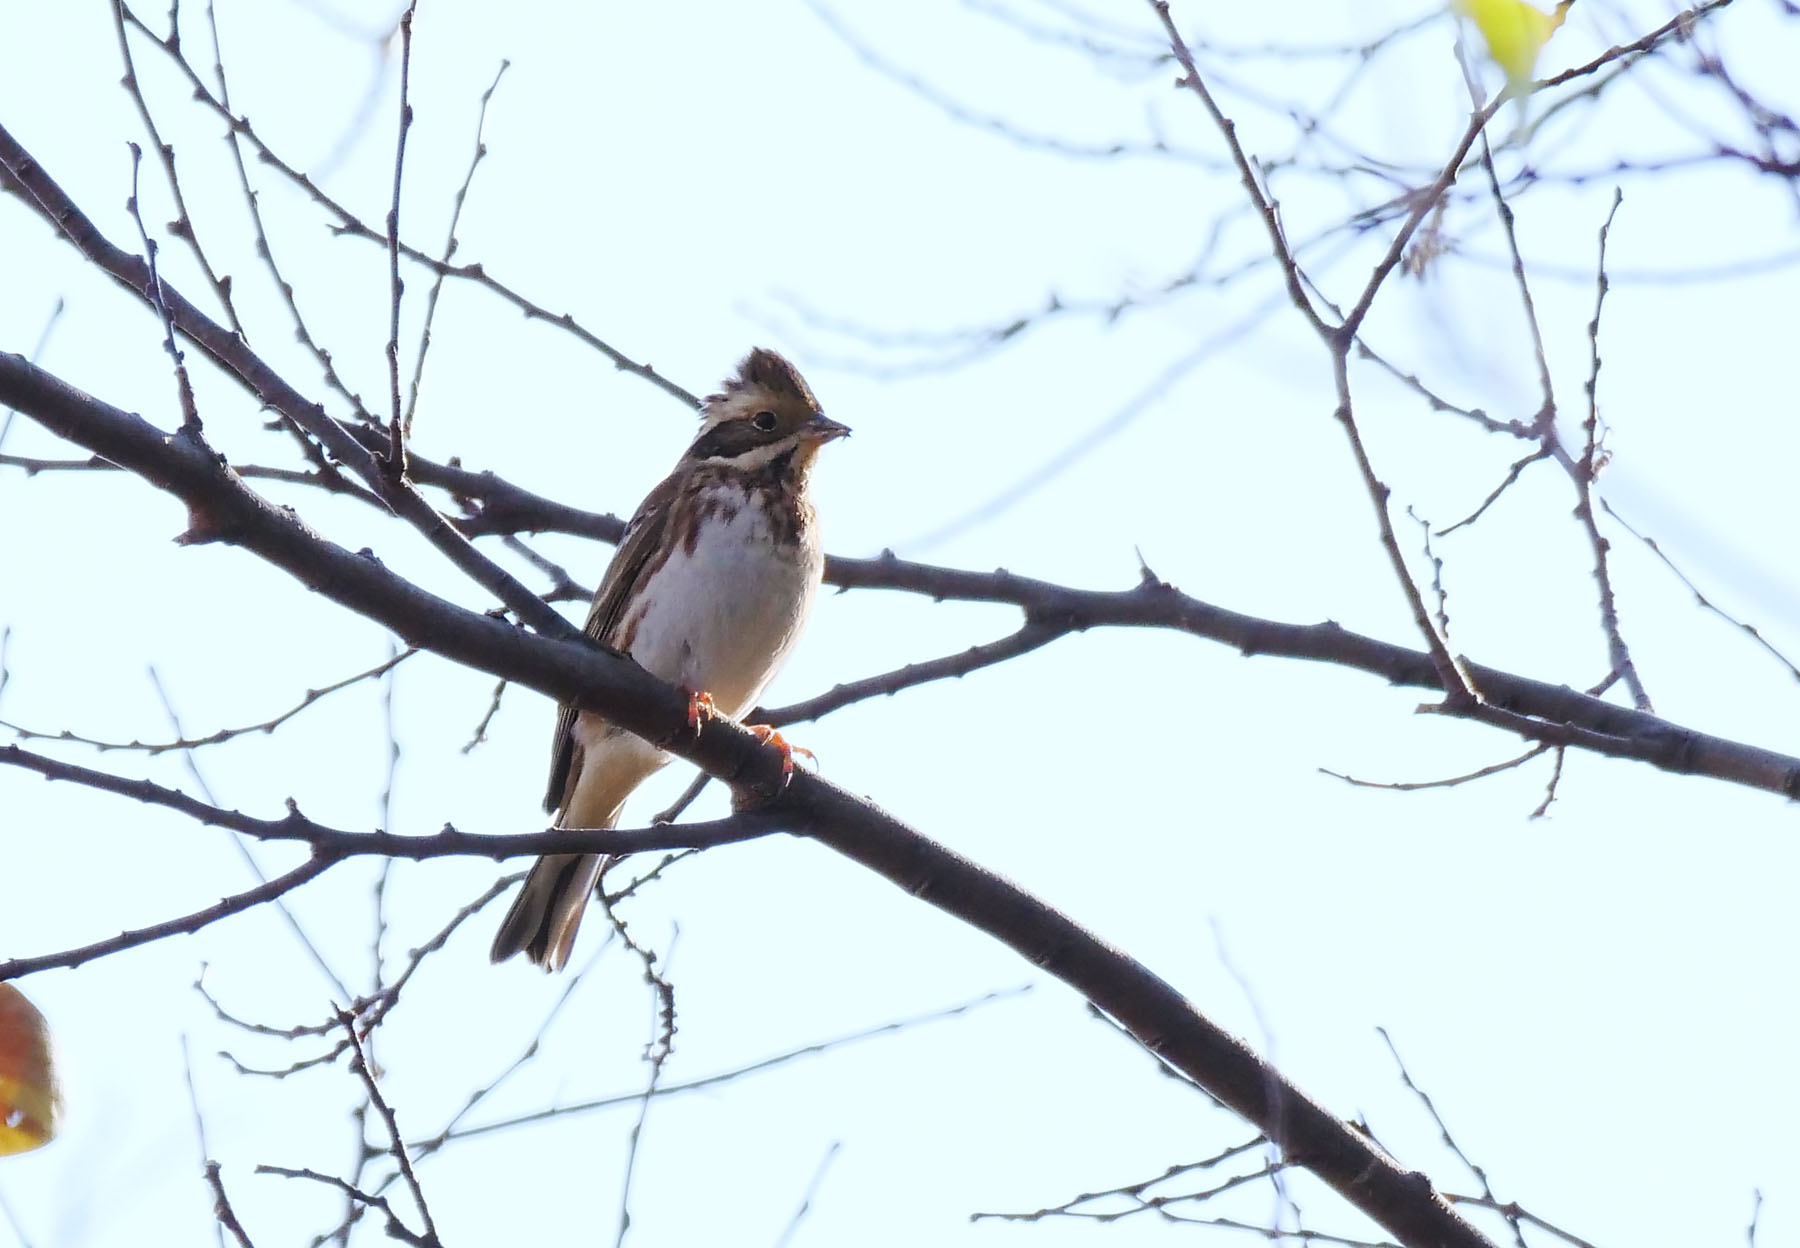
700 708
768 736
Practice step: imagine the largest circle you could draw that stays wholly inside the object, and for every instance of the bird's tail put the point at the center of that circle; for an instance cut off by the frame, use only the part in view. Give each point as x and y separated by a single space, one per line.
545 915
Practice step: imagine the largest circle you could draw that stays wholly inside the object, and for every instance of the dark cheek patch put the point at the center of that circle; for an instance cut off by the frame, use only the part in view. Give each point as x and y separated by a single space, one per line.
730 440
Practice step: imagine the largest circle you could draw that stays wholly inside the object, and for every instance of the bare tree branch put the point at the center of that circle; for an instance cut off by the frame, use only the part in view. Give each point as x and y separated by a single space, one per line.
722 1077
349 223
1535 709
1403 213
1155 1013
233 356
395 1227
183 225
223 1213
359 1063
186 924
185 743
336 844
396 452
450 244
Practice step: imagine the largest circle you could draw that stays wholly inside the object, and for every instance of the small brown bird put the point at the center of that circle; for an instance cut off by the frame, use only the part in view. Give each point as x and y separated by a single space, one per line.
709 589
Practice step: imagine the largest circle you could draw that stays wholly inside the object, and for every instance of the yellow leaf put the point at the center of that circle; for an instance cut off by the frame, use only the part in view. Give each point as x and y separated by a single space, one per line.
30 1101
1515 33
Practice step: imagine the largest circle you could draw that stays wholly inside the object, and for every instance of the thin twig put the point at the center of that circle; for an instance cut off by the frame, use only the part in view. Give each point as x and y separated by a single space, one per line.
350 224
184 743
359 1062
1705 603
1038 631
396 455
563 587
190 412
390 730
1437 574
12 1221
1142 1198
1587 470
1513 1212
395 1228
735 1073
326 473
449 252
36 357
1424 1098
1424 202
183 225
192 765
1448 782
638 883
1680 26
424 1148
1546 416
493 709
1452 672
336 843
675 809
370 1010
963 114
1512 475
1247 174
223 1214
186 924
812 1193
1550 787
656 1055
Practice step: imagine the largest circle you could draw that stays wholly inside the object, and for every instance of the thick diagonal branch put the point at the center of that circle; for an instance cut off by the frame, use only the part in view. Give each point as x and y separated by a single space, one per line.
1157 1015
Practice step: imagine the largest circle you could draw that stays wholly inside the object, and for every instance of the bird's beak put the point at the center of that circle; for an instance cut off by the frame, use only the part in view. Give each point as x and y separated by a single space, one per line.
820 429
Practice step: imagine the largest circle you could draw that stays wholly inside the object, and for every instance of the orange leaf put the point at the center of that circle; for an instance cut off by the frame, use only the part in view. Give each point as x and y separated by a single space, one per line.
30 1101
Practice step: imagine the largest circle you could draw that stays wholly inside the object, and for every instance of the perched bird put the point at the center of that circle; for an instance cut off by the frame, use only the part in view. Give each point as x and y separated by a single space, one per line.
709 589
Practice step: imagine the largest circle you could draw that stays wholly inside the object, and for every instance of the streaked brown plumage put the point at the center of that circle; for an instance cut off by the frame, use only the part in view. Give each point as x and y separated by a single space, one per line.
709 589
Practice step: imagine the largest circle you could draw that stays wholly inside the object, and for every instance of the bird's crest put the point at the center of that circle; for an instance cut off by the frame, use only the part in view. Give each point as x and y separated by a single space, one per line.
769 371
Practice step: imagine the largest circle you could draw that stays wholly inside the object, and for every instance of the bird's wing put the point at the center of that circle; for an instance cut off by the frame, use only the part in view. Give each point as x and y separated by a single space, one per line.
625 575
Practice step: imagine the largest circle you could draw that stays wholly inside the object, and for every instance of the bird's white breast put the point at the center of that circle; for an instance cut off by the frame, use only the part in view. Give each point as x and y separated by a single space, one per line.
723 616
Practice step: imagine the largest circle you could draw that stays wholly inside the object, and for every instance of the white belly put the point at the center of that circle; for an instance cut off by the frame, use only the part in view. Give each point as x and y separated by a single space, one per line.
724 618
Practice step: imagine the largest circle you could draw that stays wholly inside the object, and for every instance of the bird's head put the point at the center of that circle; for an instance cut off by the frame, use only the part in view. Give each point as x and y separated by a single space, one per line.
764 411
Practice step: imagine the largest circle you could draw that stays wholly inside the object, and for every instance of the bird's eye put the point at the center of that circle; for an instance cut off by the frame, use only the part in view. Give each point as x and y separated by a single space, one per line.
764 421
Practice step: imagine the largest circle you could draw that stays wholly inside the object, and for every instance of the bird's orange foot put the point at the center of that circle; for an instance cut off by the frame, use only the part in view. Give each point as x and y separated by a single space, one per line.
700 708
768 736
